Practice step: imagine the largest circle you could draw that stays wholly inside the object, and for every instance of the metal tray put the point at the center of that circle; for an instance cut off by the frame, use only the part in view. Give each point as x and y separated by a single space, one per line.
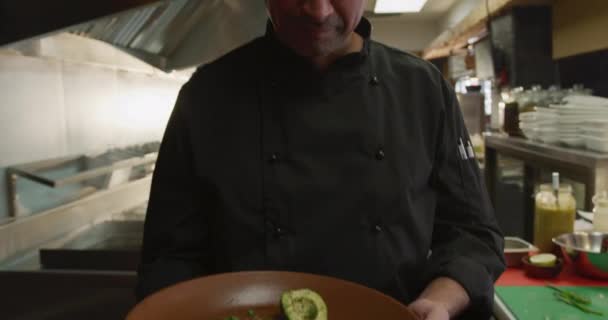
516 249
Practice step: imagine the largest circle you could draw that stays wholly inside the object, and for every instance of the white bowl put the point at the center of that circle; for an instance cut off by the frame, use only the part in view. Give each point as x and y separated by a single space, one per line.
596 144
528 116
548 138
573 142
596 133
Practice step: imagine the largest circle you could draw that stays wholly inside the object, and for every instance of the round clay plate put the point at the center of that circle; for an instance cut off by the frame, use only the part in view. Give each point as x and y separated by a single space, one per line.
220 296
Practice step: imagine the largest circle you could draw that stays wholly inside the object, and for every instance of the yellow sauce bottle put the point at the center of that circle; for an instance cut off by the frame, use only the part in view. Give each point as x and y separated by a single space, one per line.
553 215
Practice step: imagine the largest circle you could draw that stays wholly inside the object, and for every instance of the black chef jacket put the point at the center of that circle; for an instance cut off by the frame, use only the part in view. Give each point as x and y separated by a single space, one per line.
355 172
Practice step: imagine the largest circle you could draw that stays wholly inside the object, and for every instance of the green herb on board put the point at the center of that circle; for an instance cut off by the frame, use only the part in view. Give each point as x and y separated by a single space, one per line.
576 300
572 295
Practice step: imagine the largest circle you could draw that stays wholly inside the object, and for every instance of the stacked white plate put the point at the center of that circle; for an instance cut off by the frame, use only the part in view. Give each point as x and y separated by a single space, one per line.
595 134
591 101
581 122
540 125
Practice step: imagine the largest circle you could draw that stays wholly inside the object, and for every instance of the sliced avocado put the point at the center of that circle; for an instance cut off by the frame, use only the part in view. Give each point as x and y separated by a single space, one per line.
543 260
303 304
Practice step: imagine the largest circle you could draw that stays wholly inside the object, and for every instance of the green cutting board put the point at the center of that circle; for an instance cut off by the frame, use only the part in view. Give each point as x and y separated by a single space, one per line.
539 303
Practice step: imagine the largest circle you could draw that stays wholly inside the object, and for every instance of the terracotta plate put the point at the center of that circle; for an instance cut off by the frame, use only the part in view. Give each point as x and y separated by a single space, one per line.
233 294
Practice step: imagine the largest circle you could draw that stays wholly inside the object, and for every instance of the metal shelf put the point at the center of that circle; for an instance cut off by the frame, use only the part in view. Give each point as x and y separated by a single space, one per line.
31 171
587 167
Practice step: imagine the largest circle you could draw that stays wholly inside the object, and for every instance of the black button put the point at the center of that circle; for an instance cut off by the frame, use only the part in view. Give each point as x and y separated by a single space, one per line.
380 155
274 230
274 158
279 232
374 81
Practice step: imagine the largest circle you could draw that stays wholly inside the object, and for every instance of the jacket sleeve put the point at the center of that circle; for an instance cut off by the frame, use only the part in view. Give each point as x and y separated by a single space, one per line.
175 228
467 245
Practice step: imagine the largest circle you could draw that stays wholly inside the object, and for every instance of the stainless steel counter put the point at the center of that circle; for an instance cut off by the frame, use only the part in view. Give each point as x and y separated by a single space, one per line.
87 274
501 311
110 245
76 261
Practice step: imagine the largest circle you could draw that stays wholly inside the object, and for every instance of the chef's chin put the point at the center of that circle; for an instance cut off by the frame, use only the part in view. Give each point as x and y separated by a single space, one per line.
317 48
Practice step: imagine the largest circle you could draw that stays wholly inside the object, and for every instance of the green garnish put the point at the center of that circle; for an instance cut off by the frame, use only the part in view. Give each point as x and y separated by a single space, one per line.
572 295
578 305
576 300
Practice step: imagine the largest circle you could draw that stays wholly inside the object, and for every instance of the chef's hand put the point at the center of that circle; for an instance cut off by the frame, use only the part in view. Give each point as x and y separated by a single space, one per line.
429 310
442 299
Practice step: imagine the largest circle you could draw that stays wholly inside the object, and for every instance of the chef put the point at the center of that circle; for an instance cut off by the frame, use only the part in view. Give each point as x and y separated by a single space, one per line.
316 149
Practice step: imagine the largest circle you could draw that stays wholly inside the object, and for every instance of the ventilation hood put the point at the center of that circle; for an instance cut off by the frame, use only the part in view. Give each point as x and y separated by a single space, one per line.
169 35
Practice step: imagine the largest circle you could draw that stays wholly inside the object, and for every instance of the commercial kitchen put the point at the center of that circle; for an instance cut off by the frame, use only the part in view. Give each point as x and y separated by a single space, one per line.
87 88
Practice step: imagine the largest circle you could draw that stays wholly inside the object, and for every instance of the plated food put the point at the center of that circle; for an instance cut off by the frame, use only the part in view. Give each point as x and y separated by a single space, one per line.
269 295
300 304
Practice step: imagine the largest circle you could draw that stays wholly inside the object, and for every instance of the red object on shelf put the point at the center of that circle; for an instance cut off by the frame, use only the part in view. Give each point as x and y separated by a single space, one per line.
568 277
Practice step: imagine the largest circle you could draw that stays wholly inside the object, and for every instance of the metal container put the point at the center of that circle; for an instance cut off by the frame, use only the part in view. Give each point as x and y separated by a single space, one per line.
587 251
516 249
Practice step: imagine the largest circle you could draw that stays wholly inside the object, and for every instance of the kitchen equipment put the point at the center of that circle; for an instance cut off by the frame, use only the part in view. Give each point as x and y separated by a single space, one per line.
554 214
233 294
541 272
516 249
164 34
600 210
587 251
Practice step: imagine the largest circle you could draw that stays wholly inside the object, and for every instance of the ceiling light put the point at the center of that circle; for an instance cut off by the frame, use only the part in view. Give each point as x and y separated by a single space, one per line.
398 6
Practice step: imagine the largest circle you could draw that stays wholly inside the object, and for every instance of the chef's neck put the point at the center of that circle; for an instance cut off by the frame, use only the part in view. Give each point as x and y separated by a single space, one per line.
354 43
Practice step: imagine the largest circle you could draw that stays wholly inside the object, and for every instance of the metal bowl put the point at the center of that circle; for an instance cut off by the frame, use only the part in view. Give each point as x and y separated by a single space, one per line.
587 251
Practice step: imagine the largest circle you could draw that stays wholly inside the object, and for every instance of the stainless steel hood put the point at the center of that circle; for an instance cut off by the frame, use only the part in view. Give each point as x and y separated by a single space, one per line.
170 35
